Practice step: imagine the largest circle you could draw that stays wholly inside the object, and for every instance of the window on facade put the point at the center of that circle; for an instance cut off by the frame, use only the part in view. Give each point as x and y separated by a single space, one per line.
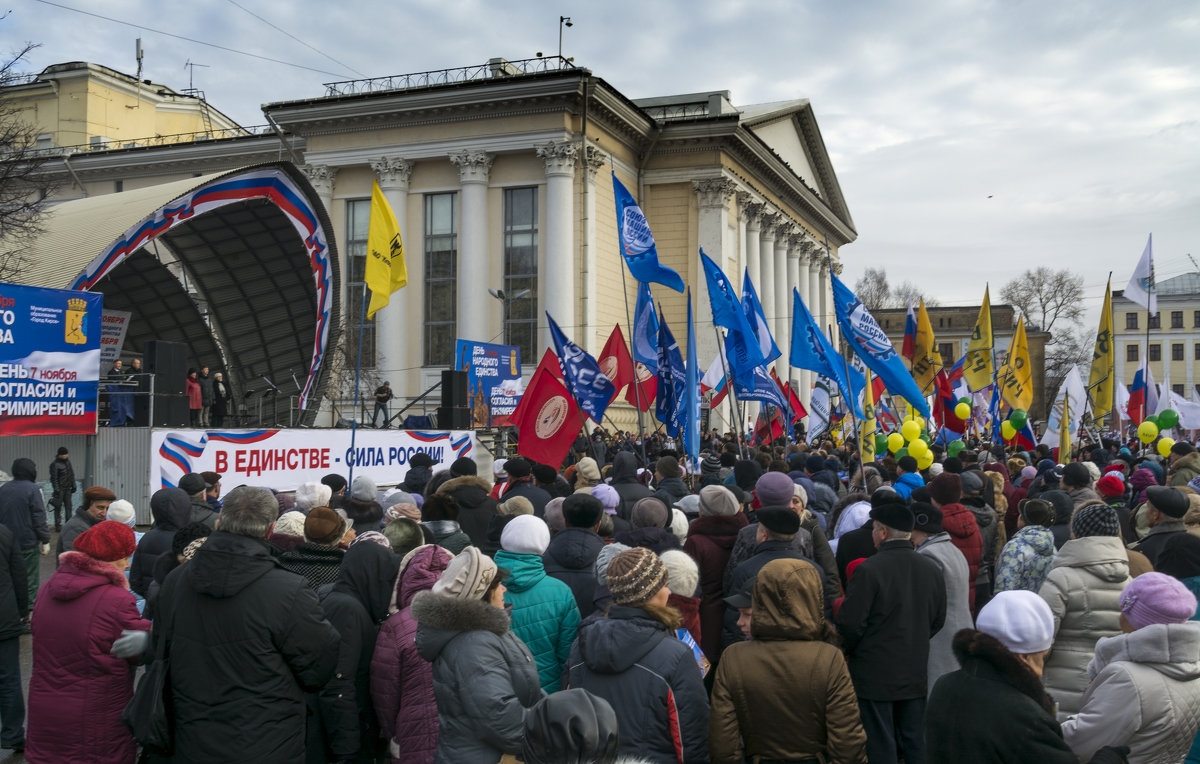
358 220
1155 352
946 351
520 269
441 275
1131 321
1196 352
1177 389
1156 321
1177 351
1196 319
1177 319
1131 352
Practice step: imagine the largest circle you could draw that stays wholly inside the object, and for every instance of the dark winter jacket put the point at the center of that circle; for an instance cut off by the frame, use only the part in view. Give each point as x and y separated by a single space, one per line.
710 540
475 507
79 522
657 540
747 542
537 496
62 476
416 479
206 388
342 721
988 522
246 640
14 591
854 545
22 509
484 677
171 510
895 602
203 513
401 680
571 558
959 521
544 614
993 709
78 690
670 491
448 535
624 479
317 563
651 680
768 551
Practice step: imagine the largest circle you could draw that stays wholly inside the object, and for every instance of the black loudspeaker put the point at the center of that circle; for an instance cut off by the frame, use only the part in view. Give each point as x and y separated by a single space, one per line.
454 388
167 361
453 417
169 411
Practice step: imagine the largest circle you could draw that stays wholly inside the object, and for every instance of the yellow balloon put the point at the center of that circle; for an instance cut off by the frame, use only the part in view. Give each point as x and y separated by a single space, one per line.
917 449
925 460
920 422
1164 447
911 430
1147 432
895 442
1007 430
962 411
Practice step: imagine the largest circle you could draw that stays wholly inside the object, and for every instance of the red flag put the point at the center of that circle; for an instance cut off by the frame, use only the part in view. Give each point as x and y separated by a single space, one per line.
615 361
762 425
944 404
798 410
641 394
548 365
547 419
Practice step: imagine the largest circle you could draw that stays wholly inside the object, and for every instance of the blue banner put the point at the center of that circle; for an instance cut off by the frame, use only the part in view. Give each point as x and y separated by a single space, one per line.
637 242
691 394
764 390
49 360
672 377
587 383
645 330
812 350
742 352
493 380
758 322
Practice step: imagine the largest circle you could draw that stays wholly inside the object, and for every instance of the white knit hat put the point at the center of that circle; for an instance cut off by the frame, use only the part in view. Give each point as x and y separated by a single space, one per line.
525 534
310 495
1020 620
363 488
121 511
683 574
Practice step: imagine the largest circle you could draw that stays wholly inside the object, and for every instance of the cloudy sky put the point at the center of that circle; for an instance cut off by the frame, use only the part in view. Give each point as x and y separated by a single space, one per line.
972 139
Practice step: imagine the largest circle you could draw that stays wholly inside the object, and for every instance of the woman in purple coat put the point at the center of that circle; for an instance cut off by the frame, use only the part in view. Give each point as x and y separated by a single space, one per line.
401 680
78 689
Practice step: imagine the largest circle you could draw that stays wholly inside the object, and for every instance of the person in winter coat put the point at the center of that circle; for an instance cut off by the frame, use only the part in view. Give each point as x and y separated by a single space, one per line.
544 613
171 510
1180 558
933 542
994 708
420 470
439 515
23 512
342 725
571 555
475 507
570 726
1145 683
1183 465
245 640
196 488
1077 482
62 485
710 540
624 480
78 689
587 475
1083 590
909 477
94 509
1064 509
945 493
221 396
631 658
520 483
1165 509
668 481
650 520
684 577
988 521
610 500
401 680
14 614
786 694
484 677
362 507
1026 559
319 558
773 489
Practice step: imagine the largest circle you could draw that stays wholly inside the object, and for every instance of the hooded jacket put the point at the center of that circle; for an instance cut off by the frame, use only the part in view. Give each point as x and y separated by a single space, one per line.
624 479
401 680
475 507
22 508
988 522
367 515
571 558
484 677
785 695
1083 590
651 680
1184 470
202 512
710 541
78 690
342 721
171 509
907 483
544 614
246 640
416 479
959 585
1026 560
1144 693
671 490
960 523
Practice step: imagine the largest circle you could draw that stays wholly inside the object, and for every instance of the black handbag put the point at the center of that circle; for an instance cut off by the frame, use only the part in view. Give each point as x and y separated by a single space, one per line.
147 715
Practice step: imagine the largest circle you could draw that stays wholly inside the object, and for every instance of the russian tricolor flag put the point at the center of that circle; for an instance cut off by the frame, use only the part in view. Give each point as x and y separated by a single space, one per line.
715 380
909 348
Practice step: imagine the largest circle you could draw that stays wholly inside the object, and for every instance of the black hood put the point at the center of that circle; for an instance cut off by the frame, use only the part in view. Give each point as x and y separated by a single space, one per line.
24 469
368 574
171 509
624 468
613 644
575 548
226 564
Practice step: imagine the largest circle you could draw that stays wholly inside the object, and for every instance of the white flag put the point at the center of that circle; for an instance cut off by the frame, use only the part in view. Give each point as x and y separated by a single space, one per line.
1141 289
716 372
1073 391
818 409
1123 400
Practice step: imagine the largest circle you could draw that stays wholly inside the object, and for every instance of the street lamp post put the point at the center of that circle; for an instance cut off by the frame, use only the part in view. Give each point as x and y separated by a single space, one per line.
562 21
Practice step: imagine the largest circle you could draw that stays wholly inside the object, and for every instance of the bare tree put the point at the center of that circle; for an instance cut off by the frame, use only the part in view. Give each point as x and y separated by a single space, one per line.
907 292
872 289
1044 296
1072 346
23 187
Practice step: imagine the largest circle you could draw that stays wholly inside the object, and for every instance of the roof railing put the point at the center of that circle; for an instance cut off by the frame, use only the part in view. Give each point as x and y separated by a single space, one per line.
109 144
496 68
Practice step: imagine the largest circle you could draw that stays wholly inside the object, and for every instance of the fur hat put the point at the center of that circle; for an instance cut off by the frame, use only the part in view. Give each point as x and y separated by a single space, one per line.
518 467
927 518
717 501
463 466
107 541
121 511
682 572
324 526
946 488
515 505
290 524
525 534
779 520
889 509
1156 598
1036 512
468 575
554 514
679 525
635 575
774 489
363 488
1020 620
310 495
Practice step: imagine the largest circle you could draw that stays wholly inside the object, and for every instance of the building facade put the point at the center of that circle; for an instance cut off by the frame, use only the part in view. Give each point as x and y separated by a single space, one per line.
1169 340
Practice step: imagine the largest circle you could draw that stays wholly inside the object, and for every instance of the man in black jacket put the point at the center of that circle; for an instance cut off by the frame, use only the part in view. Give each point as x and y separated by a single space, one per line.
245 640
895 602
520 483
14 609
571 556
625 480
62 483
171 510
23 512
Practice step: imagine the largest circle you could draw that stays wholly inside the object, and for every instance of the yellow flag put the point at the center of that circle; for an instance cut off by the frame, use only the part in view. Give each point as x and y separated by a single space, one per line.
1015 377
1100 380
927 361
385 270
977 368
1064 431
866 430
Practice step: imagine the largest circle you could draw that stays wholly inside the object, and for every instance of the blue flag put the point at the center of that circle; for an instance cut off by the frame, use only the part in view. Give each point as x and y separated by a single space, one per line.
764 390
637 243
869 342
758 322
672 377
812 350
582 374
645 330
742 352
691 394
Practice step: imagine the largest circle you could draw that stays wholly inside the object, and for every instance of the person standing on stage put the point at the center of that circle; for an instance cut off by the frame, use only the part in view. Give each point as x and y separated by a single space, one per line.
383 394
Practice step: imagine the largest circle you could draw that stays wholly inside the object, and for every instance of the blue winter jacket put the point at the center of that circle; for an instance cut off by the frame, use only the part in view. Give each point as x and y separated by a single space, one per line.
907 483
544 614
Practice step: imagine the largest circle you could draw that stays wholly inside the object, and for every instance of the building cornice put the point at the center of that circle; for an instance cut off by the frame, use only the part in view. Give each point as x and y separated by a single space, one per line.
149 161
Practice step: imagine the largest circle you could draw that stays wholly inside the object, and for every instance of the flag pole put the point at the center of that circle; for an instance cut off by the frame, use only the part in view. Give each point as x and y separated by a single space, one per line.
849 404
734 403
362 321
637 385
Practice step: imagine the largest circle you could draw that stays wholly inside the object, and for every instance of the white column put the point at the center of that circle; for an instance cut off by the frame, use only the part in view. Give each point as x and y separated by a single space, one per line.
473 168
753 244
766 287
837 332
556 261
744 200
794 242
825 317
712 202
593 160
783 306
392 334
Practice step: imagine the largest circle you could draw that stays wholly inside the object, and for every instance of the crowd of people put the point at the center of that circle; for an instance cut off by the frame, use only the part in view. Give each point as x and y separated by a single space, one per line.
780 603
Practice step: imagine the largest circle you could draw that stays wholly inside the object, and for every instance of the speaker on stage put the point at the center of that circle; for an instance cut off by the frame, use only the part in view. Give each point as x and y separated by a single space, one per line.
454 417
169 411
167 361
454 389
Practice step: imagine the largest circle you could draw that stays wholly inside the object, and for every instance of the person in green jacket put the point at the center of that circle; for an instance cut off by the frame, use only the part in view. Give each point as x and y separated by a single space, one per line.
544 613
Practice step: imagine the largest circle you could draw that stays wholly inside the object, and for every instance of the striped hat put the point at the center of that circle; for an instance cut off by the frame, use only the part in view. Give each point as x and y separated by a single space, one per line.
635 575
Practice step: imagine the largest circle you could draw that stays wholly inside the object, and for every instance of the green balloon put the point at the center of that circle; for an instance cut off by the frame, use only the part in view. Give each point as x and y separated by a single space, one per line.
925 437
955 446
965 399
880 444
1154 418
1018 418
901 454
1167 419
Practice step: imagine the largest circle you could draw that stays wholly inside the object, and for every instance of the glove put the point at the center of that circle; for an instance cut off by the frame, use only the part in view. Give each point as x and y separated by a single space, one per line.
45 549
130 644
